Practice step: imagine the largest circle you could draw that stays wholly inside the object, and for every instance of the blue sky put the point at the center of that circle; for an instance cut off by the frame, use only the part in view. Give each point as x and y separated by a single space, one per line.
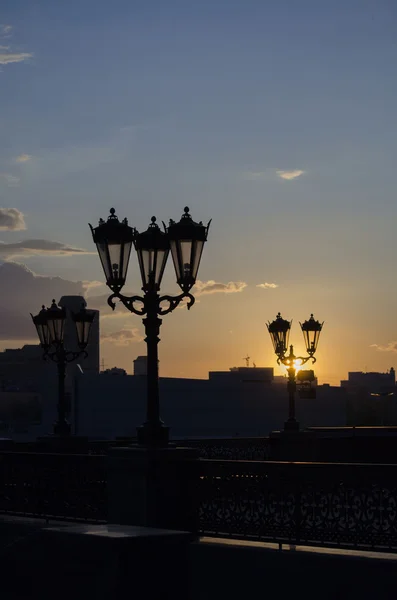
275 118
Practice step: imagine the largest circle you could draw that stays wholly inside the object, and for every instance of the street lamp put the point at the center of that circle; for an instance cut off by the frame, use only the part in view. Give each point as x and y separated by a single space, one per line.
185 239
50 326
279 331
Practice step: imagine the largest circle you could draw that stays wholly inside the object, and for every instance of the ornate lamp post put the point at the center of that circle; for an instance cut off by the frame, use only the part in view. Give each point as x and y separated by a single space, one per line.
50 325
279 331
185 239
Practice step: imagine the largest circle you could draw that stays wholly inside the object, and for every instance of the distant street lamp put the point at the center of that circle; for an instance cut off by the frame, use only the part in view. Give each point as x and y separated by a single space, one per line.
279 330
185 239
50 326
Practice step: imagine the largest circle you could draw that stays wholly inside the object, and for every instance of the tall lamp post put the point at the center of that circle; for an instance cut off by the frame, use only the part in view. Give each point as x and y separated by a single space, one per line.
279 331
50 326
114 241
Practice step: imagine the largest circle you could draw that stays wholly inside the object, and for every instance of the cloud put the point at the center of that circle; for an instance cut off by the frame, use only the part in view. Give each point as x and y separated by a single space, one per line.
390 347
100 302
23 158
37 247
14 57
11 219
124 337
11 180
5 29
213 287
26 295
290 174
90 285
267 286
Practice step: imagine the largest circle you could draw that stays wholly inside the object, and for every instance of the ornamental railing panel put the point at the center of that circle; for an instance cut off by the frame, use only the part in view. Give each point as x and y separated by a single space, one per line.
56 486
342 505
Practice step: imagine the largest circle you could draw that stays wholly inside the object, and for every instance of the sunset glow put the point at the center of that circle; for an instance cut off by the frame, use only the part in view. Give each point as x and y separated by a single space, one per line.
200 103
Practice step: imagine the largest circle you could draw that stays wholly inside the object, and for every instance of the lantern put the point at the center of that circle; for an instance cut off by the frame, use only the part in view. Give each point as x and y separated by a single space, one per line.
311 330
40 322
83 321
186 240
114 241
279 330
56 318
152 247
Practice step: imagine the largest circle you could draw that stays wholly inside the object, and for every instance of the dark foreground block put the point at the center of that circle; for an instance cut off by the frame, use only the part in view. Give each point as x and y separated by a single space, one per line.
238 571
80 562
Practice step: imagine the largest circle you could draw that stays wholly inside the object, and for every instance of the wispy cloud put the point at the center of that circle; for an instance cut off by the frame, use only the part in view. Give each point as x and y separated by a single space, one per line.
22 158
213 287
6 54
14 57
290 174
91 285
390 347
10 180
37 247
267 286
124 337
5 30
12 219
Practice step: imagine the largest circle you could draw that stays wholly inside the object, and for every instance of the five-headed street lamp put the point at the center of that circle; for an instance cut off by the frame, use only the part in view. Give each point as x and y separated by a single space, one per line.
50 326
279 330
114 241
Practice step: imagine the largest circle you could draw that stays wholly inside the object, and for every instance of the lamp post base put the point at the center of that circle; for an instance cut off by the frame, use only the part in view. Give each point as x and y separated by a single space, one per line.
153 487
62 428
291 425
153 436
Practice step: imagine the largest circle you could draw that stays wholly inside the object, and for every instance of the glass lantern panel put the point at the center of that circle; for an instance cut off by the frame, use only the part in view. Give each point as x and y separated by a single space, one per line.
55 327
146 259
115 259
197 252
126 258
80 330
161 261
103 255
43 333
186 257
175 257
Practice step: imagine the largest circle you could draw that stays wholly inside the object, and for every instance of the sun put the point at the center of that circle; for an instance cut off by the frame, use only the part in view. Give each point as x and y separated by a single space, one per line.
297 364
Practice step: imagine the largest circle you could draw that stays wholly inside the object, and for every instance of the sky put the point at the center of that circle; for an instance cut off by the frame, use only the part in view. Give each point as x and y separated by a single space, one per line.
275 118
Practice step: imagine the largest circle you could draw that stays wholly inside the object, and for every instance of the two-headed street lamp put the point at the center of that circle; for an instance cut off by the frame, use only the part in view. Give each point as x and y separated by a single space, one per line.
50 326
279 330
114 241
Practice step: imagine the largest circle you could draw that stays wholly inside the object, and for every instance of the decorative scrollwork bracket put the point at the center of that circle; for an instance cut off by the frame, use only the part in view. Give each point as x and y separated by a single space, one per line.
173 302
146 301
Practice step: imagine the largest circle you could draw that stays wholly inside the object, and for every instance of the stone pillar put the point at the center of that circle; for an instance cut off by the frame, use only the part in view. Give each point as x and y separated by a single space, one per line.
153 487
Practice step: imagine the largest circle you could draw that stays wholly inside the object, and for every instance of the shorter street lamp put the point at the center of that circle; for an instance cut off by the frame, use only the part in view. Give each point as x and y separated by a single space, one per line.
50 326
279 330
185 239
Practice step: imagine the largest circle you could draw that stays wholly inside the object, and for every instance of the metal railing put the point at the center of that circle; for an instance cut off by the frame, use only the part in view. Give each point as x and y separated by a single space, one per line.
321 504
56 486
325 504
